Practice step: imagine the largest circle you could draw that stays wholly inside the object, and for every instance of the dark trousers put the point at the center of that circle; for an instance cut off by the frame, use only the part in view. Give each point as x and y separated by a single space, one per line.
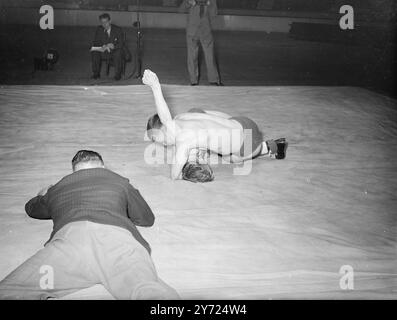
115 55
207 43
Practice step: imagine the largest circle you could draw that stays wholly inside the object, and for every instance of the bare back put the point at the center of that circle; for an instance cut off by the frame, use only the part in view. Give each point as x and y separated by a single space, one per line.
213 132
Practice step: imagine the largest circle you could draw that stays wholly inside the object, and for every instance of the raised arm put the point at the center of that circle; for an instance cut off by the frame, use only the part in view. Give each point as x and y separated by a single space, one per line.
151 80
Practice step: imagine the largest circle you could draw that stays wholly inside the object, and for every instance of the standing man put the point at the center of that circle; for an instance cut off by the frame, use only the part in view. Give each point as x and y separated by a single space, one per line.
199 31
94 241
111 40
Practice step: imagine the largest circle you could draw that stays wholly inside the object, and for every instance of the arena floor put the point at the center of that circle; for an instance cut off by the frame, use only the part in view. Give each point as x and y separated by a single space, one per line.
283 231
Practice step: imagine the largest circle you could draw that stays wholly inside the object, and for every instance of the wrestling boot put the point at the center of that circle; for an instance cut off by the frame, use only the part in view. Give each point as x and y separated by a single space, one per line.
277 148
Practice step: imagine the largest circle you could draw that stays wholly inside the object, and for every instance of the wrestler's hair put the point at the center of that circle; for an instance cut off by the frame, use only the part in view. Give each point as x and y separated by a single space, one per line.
86 156
154 122
195 172
104 16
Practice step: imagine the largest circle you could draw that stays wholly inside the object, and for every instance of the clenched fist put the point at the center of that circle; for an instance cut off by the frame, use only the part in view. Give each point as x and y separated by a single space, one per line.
150 78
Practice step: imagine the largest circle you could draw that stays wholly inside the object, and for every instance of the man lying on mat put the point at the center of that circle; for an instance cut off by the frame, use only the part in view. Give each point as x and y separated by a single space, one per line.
198 131
94 241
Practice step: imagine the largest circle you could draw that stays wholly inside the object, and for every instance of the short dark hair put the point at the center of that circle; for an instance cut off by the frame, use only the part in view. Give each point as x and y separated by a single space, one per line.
104 16
154 122
195 172
86 156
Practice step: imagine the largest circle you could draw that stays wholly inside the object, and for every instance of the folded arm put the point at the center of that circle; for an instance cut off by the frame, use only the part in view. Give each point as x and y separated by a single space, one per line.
37 207
139 211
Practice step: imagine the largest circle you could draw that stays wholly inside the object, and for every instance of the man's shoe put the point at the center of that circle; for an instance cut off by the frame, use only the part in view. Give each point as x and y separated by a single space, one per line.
95 76
218 84
117 78
194 84
277 148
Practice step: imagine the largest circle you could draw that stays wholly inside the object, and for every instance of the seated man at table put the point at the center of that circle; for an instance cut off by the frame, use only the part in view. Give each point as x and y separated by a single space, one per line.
108 43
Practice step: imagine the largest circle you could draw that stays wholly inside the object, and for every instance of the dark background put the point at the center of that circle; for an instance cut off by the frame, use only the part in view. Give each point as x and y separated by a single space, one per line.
310 54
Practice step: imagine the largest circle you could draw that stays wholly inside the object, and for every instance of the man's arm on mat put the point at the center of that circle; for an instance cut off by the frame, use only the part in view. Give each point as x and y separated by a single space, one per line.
37 207
138 210
180 158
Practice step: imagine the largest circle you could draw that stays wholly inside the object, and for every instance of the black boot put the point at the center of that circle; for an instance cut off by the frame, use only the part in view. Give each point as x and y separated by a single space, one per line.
277 148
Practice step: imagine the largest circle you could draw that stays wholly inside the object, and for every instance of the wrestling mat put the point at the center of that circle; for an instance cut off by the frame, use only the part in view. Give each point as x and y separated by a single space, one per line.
289 229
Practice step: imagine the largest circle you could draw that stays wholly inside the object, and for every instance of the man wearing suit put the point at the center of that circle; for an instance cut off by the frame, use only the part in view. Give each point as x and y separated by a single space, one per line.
111 39
94 239
199 31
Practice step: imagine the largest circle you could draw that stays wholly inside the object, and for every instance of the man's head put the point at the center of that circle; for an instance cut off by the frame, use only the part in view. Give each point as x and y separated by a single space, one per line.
105 20
86 159
155 130
195 172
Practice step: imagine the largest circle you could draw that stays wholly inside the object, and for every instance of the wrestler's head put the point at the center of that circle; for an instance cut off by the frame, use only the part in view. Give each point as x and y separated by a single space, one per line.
196 172
86 159
155 129
197 169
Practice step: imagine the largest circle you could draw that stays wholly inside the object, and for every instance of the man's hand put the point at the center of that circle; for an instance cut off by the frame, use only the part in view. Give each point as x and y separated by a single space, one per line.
43 191
150 78
105 48
192 2
110 46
